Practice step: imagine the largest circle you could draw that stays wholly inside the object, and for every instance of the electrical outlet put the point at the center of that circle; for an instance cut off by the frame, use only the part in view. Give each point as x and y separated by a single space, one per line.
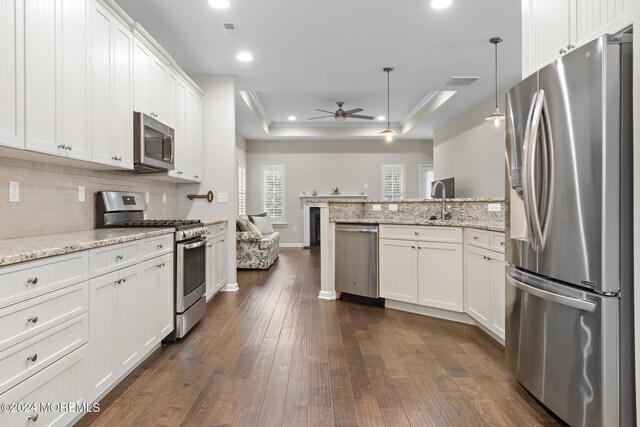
14 191
393 208
146 196
81 193
366 185
294 229
164 197
493 207
376 208
223 197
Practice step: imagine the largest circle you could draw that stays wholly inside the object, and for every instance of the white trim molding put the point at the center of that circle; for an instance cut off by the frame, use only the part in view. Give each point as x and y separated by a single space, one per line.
291 245
230 287
328 295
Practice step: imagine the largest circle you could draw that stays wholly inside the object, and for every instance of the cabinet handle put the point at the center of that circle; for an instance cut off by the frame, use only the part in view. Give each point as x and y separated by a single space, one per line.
562 51
413 247
32 357
501 243
32 280
196 176
475 237
119 257
124 279
33 319
416 233
117 282
33 418
62 146
570 46
159 246
69 147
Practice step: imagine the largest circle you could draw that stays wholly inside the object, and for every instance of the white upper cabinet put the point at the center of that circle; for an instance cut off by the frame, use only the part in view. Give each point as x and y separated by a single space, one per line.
154 85
180 164
188 133
112 90
551 28
12 73
195 143
57 83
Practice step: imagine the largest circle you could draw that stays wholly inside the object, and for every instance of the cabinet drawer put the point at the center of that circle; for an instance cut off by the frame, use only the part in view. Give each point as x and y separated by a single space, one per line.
30 356
476 237
63 381
424 233
29 279
23 320
156 246
217 229
497 242
110 258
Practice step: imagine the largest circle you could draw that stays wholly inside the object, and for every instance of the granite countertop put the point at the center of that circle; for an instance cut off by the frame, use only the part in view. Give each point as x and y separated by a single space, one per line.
461 200
22 249
215 221
483 225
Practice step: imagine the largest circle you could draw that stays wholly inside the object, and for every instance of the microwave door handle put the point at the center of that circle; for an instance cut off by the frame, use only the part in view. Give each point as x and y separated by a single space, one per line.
526 173
167 155
580 304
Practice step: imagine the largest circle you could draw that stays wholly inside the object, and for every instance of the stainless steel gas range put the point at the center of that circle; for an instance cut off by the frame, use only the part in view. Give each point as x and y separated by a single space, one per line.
125 209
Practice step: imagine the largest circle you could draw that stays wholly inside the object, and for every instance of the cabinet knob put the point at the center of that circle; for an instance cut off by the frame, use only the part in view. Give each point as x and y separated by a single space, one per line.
562 51
570 46
413 247
69 147
62 146
32 280
33 319
118 281
33 417
119 257
475 237
124 279
159 246
32 357
416 233
501 243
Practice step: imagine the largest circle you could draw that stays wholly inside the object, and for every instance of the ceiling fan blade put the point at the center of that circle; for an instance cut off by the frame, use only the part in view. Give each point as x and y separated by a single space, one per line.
355 110
325 111
357 116
321 117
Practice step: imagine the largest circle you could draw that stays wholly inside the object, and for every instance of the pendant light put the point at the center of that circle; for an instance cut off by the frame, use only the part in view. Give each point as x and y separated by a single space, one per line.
496 117
388 133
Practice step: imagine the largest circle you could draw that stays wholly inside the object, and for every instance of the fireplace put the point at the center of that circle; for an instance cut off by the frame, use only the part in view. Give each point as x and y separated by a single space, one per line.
314 226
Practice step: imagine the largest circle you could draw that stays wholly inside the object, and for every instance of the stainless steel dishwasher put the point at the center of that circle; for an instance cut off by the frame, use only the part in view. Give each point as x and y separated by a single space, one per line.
357 259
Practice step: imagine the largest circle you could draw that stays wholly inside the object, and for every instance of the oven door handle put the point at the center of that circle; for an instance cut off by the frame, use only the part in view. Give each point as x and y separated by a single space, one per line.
195 244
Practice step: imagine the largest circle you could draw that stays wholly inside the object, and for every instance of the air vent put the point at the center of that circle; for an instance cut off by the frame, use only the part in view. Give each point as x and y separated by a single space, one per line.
462 81
230 29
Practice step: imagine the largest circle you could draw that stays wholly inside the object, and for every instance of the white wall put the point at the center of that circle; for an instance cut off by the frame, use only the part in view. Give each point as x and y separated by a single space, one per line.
471 150
322 165
219 160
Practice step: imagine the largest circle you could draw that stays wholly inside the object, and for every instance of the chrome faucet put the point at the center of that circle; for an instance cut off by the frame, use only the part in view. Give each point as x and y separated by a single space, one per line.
443 212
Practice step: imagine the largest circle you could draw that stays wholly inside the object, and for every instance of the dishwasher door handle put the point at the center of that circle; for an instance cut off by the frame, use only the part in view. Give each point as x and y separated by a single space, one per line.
356 229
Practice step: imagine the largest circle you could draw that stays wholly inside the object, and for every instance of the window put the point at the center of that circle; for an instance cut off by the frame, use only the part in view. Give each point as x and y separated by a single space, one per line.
426 175
242 190
393 182
273 193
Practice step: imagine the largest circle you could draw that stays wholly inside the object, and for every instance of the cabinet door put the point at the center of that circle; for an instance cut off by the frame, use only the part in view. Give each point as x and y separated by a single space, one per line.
169 101
158 82
12 73
148 299
181 160
122 96
196 143
398 270
101 90
497 294
597 17
212 267
440 275
142 59
478 284
128 318
546 31
103 335
221 258
166 312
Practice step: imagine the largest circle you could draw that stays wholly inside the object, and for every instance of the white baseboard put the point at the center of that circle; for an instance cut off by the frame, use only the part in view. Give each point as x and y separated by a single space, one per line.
291 245
490 333
430 311
230 287
328 295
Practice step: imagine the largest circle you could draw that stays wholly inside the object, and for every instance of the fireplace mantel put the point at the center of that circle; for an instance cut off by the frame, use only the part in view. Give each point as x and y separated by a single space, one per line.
319 201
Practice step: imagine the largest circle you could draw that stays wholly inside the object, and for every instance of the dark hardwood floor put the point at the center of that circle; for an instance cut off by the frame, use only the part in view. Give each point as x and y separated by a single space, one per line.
274 354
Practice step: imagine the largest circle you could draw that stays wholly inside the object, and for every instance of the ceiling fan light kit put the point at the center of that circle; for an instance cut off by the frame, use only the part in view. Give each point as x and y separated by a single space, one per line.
388 133
496 116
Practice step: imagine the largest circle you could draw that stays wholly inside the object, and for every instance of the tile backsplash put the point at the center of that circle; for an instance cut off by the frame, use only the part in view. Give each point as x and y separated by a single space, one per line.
49 197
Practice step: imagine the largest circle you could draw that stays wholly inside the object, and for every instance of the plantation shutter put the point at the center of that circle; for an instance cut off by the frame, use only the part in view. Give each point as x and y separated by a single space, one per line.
242 190
393 182
273 191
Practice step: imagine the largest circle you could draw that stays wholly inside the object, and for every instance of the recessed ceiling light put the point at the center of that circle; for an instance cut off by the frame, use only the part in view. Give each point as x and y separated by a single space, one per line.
381 118
291 118
244 57
219 4
440 4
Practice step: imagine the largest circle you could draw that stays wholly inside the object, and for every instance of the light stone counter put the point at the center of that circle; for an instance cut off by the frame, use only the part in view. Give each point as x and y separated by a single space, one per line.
482 225
22 249
215 221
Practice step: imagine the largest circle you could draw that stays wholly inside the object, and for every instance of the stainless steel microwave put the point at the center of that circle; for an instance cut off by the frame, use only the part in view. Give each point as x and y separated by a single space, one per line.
154 148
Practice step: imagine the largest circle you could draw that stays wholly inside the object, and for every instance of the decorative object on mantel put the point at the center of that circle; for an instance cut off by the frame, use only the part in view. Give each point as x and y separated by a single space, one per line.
335 191
315 193
208 196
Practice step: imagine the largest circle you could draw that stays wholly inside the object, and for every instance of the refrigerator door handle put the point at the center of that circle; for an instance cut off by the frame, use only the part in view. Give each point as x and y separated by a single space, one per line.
526 172
580 304
548 167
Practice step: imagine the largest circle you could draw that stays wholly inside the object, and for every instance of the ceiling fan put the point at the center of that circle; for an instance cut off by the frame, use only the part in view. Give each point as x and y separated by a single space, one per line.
342 115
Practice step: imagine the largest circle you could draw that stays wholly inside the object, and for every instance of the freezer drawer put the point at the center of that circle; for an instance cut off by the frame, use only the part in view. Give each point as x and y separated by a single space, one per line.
357 259
562 345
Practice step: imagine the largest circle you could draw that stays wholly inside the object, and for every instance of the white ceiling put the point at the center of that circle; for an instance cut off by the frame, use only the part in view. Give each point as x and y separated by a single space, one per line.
310 54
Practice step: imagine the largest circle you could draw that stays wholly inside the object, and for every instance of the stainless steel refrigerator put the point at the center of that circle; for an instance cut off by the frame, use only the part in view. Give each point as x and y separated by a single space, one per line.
569 285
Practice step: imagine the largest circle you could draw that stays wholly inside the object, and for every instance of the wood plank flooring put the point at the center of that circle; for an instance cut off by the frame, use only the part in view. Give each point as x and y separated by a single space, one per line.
273 354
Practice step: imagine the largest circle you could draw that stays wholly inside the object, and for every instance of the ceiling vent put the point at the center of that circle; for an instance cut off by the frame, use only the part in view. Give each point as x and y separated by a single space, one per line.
462 81
230 29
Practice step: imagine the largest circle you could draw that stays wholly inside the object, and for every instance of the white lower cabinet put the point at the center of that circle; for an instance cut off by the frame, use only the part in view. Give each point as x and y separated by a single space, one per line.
166 312
484 283
156 285
422 272
216 262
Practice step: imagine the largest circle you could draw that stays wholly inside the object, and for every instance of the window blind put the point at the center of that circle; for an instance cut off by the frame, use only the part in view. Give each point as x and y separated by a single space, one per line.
273 192
393 182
